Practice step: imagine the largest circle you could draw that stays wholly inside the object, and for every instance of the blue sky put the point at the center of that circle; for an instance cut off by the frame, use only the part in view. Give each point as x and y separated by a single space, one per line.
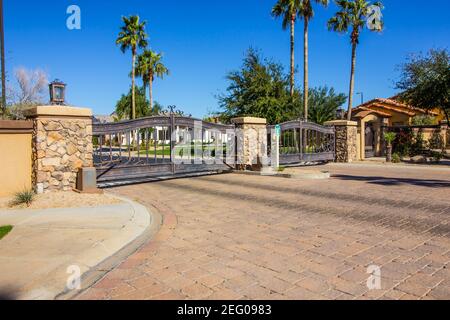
202 40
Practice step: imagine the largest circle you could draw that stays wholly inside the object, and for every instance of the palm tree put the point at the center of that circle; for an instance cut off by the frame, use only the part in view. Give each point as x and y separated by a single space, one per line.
354 14
132 36
148 66
307 13
289 10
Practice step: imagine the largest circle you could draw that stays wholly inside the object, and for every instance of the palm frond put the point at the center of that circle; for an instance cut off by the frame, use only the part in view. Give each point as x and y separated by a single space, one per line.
149 64
132 34
352 14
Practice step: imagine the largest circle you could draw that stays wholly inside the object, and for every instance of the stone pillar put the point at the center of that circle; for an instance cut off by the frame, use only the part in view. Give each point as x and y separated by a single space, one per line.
62 144
346 140
251 148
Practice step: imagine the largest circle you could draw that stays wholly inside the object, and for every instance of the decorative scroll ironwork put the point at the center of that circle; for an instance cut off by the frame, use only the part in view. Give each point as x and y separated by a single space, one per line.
302 141
163 146
158 146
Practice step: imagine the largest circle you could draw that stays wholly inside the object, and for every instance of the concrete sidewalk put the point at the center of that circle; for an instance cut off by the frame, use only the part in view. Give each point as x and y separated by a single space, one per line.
36 255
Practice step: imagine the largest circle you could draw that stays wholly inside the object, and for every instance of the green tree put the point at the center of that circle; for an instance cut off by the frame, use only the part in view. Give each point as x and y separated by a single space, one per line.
425 81
324 104
132 36
149 64
354 14
289 10
260 88
124 111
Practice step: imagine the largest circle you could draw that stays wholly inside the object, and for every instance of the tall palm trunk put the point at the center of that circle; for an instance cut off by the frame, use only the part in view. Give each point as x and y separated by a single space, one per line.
145 85
150 92
292 54
352 82
305 70
133 96
2 40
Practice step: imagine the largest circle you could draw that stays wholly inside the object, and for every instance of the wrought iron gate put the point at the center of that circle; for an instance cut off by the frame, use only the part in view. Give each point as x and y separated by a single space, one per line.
159 147
302 142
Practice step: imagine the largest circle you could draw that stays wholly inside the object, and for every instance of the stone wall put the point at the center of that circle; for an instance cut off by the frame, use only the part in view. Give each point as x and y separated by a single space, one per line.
62 144
346 140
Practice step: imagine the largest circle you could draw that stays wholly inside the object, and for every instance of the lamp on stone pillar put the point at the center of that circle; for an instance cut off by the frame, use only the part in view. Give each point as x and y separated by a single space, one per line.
340 114
57 92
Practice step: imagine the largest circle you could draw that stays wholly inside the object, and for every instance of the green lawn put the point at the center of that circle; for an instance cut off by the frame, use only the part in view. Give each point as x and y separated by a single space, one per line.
4 230
293 150
159 152
166 151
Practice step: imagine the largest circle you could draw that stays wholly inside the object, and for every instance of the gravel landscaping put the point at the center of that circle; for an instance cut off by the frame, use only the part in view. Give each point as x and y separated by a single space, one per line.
61 200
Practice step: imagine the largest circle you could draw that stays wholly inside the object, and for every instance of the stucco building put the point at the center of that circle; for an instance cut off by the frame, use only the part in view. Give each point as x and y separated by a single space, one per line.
376 116
397 113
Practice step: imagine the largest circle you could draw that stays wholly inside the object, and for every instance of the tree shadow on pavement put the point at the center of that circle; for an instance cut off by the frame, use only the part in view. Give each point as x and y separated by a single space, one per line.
300 207
386 181
323 194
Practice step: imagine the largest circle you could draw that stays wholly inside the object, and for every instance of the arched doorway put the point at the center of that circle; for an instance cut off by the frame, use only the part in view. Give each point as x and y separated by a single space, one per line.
371 124
370 143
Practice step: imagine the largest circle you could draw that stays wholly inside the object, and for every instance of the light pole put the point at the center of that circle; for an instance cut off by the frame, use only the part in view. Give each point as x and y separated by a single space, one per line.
2 40
362 96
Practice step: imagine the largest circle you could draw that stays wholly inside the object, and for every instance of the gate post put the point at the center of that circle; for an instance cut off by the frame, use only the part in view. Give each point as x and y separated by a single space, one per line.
62 144
346 140
251 148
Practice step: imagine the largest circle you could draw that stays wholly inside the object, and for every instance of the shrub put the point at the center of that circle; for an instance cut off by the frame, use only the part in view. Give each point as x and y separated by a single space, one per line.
423 121
403 142
23 197
419 145
16 112
95 141
437 141
409 144
396 158
437 156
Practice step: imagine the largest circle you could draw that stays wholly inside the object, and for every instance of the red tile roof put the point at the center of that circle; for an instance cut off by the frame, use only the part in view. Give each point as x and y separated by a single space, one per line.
362 112
396 106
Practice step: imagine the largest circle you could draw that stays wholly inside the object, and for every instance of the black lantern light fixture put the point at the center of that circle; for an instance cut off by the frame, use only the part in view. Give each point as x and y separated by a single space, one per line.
340 114
57 92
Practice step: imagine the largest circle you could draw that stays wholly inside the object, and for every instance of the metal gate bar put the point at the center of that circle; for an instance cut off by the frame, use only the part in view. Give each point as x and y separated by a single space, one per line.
124 150
315 142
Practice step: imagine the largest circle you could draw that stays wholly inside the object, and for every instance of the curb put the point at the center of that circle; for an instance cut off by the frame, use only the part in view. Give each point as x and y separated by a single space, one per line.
167 225
98 272
373 164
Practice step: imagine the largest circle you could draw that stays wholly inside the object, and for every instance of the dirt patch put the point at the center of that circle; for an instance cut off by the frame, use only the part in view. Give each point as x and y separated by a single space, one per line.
62 200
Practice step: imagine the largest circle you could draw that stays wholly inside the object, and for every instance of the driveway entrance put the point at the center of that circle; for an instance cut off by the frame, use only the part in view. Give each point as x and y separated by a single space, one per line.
251 237
370 140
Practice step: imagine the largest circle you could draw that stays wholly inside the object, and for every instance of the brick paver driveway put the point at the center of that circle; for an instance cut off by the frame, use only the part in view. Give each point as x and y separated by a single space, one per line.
250 237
